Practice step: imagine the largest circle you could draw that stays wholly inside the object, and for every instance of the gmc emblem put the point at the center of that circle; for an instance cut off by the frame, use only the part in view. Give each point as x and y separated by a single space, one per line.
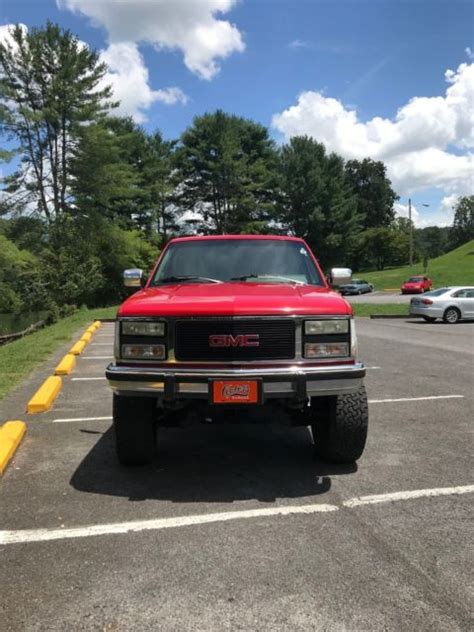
228 340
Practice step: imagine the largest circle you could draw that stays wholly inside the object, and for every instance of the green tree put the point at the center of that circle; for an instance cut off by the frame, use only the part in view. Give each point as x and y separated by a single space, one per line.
384 246
316 201
463 224
22 282
50 86
375 196
157 180
103 182
225 171
432 241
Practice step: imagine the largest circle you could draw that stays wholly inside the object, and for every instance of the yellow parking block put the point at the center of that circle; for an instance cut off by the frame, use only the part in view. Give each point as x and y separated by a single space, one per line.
91 330
77 348
97 324
86 337
66 365
44 397
11 434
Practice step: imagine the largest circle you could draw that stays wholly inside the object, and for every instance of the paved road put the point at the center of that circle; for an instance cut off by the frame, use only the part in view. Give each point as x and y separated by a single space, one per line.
378 297
331 563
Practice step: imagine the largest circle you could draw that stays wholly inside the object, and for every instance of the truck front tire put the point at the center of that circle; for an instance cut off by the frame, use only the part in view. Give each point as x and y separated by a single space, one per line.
339 426
135 432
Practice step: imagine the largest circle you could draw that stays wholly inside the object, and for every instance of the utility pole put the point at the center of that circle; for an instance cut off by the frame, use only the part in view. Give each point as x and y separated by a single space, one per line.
411 231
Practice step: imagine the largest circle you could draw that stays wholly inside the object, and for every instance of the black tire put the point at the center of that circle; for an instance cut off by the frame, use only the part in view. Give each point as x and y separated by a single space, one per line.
429 319
339 426
452 315
135 433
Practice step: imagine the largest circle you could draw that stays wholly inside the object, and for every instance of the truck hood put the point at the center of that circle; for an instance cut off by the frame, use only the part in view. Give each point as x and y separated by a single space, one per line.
234 299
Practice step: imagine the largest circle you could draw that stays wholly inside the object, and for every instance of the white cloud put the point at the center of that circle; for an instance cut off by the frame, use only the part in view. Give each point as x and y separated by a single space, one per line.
186 25
426 145
442 216
5 33
297 43
469 52
128 77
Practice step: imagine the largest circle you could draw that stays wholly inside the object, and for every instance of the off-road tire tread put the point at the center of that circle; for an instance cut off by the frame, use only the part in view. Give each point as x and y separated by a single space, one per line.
135 432
340 432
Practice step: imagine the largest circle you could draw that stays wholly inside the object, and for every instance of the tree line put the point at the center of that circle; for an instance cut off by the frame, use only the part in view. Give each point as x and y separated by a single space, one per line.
92 193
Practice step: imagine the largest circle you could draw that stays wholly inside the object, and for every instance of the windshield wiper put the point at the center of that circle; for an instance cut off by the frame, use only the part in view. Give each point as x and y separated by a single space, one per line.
283 279
180 278
244 277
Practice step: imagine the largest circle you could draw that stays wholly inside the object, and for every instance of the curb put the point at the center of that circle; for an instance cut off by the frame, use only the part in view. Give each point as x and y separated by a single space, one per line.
390 316
78 347
86 337
44 397
66 365
11 434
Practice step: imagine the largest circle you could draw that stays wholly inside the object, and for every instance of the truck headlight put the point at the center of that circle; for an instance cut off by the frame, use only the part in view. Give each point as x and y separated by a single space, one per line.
143 328
143 352
326 327
326 350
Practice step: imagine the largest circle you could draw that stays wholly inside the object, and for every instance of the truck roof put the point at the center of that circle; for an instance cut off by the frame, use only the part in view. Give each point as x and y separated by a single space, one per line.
219 237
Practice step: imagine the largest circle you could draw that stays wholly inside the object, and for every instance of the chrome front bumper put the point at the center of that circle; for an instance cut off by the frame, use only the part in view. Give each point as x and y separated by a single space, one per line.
278 382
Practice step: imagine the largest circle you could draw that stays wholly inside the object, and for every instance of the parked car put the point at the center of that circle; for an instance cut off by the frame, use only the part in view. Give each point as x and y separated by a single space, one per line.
417 285
228 328
449 303
356 286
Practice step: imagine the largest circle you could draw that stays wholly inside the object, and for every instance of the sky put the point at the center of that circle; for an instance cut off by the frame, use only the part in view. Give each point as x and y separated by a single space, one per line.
388 79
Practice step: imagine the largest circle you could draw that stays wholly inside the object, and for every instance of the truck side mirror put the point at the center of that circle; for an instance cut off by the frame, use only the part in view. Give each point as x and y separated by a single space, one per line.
133 278
340 276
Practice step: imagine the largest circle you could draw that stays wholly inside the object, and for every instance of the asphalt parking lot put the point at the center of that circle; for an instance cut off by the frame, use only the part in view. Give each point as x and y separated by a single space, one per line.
239 527
380 297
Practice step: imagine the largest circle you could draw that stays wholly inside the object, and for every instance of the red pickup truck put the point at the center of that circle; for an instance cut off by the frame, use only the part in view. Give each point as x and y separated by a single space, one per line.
237 328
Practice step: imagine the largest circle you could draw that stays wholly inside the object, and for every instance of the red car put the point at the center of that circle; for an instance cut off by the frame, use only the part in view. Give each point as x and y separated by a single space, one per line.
417 285
234 328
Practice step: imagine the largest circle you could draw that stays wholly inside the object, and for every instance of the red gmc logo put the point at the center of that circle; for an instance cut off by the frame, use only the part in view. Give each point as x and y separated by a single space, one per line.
228 340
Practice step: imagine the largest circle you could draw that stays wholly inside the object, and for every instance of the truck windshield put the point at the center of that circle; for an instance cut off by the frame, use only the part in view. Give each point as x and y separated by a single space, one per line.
249 260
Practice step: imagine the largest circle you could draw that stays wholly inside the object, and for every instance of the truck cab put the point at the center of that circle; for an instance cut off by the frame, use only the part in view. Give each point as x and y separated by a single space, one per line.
237 327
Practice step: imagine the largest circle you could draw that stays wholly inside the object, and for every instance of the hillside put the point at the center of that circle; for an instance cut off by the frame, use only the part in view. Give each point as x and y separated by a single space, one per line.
453 268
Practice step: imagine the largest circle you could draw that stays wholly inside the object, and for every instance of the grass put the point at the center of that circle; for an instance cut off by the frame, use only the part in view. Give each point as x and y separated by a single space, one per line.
19 358
370 309
453 268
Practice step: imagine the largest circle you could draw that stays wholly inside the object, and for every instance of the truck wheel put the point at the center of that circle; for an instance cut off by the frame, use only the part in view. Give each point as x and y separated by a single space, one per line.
134 428
340 426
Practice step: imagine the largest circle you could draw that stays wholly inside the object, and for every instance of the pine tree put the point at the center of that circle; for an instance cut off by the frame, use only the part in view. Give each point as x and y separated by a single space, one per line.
316 201
225 171
50 87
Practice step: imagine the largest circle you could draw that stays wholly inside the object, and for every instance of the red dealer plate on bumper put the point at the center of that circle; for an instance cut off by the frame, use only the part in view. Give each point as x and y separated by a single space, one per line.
235 391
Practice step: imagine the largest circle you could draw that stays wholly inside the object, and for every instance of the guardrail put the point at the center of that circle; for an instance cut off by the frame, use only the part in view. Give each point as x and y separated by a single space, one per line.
19 334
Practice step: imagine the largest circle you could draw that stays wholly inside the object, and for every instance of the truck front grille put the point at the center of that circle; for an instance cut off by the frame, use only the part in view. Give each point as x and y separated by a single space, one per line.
276 339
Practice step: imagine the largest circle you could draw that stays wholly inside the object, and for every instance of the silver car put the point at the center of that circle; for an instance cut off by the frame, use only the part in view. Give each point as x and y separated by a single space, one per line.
449 303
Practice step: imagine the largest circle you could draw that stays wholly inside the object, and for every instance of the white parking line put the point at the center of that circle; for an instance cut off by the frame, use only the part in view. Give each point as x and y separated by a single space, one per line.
372 368
408 495
86 379
109 357
101 344
414 399
24 536
43 535
61 421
